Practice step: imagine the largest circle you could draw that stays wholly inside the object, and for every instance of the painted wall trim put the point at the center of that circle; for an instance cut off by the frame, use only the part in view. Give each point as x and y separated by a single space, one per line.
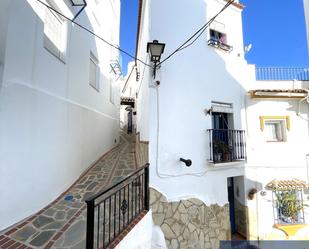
286 118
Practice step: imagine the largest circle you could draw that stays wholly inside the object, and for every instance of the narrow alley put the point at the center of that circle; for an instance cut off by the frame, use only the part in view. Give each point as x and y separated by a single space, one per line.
62 224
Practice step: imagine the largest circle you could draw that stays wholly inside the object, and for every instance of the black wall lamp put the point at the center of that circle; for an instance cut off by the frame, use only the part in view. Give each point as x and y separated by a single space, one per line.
187 162
155 49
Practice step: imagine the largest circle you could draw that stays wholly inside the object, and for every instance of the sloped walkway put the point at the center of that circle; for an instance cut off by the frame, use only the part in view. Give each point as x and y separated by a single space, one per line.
62 224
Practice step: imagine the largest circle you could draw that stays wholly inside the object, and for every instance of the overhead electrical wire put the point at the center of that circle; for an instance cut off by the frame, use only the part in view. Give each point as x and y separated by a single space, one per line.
197 34
94 34
184 45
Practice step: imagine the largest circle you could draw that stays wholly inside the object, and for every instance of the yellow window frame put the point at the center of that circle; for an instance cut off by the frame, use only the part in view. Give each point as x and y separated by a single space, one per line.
264 118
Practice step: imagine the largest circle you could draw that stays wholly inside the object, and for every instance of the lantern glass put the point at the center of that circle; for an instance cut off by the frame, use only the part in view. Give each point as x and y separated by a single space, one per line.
155 49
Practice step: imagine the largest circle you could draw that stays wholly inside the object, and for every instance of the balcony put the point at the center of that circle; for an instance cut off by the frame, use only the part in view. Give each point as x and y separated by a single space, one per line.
226 145
281 73
216 43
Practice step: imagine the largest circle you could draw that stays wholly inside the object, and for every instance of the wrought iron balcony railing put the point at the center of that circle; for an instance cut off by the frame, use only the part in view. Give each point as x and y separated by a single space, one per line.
226 145
218 44
112 210
282 73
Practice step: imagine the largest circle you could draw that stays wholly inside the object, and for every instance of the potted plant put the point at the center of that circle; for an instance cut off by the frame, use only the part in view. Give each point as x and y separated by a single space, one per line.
288 206
222 151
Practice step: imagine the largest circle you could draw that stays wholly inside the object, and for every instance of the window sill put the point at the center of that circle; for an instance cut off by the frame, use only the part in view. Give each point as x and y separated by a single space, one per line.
52 49
276 141
290 230
220 45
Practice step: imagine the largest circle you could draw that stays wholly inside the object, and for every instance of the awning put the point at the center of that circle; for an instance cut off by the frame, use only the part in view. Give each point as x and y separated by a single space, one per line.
278 93
287 184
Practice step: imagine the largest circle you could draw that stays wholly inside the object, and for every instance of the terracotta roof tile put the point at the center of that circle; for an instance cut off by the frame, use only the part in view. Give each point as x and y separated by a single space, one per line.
287 184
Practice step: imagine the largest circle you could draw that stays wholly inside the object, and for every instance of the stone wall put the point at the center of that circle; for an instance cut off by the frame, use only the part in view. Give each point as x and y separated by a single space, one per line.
241 219
190 224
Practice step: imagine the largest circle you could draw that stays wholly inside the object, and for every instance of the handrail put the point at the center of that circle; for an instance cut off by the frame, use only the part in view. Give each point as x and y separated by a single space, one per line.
223 130
108 188
113 209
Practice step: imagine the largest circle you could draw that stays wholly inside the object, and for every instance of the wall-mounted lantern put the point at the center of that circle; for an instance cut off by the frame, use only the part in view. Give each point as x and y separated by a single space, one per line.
155 50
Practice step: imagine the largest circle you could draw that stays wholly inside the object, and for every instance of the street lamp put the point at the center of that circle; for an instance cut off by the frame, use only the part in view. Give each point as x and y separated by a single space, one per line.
155 49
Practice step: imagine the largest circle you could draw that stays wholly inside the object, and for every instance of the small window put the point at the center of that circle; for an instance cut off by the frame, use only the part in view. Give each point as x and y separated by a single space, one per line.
218 36
275 130
94 72
288 207
54 33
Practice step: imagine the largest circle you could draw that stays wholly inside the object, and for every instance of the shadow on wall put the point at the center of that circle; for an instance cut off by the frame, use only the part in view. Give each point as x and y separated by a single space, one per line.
249 215
42 126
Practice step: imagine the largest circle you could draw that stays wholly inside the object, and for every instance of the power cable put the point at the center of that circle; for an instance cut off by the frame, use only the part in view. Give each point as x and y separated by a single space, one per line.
197 33
94 34
210 21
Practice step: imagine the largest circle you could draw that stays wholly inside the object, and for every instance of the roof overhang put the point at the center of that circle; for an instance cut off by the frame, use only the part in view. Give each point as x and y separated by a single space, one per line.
127 101
279 93
294 184
238 5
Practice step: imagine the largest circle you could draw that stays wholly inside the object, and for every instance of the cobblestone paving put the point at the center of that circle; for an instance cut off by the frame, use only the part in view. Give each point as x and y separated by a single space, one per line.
62 224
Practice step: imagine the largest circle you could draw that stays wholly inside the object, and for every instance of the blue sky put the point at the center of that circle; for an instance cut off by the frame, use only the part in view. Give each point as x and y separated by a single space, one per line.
128 28
275 28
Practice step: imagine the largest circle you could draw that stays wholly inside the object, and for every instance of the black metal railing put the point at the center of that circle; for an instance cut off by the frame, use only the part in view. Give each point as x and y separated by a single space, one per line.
110 211
226 145
214 42
282 73
288 207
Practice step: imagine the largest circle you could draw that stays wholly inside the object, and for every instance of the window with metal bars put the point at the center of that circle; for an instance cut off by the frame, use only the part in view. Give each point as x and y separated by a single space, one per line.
288 207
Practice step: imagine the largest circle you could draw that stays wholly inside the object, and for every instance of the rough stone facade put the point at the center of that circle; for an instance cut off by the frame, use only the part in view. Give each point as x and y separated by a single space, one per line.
190 224
241 213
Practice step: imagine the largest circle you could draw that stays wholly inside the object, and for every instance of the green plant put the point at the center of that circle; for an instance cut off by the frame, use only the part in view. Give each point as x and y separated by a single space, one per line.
221 147
288 205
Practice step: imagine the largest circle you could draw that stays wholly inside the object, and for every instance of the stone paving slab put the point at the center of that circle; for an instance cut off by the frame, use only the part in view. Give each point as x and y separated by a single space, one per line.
62 224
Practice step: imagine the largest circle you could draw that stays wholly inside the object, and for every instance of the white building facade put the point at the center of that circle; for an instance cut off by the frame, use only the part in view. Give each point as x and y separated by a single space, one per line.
58 97
202 106
191 110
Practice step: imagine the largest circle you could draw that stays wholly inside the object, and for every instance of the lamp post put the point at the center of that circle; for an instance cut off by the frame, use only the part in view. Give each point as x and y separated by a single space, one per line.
155 50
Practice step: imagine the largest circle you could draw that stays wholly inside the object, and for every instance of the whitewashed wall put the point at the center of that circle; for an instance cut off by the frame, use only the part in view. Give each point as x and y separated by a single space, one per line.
189 81
274 160
140 237
142 101
53 125
129 87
